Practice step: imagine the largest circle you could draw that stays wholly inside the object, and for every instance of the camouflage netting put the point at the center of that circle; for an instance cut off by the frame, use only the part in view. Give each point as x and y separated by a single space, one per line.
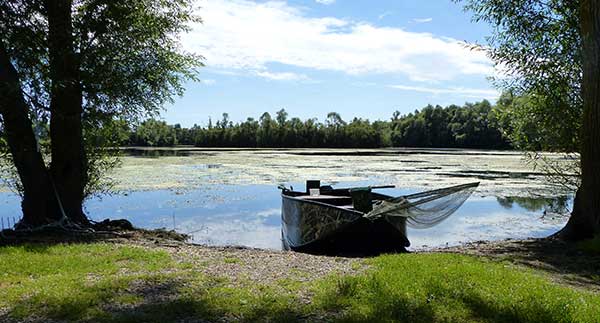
423 210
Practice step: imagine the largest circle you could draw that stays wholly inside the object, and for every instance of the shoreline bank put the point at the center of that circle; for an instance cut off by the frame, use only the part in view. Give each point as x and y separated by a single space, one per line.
149 276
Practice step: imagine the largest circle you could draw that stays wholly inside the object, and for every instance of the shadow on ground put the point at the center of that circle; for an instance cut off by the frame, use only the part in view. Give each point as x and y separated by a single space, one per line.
164 301
98 232
564 261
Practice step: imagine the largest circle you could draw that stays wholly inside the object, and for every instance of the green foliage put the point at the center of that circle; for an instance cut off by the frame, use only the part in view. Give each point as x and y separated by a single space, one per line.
132 62
101 135
537 44
533 124
130 65
129 54
9 176
154 133
471 126
8 173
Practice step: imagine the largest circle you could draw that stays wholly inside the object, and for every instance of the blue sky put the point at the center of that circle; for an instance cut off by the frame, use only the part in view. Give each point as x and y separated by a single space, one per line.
359 58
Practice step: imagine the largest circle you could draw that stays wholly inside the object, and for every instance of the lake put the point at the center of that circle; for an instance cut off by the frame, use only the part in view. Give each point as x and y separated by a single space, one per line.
230 196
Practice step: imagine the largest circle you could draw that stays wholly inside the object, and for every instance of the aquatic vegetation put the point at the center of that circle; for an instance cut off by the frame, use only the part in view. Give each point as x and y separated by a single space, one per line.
230 196
502 173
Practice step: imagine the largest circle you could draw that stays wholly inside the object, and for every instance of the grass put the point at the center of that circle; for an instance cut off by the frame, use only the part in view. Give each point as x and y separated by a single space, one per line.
73 281
454 288
118 283
232 260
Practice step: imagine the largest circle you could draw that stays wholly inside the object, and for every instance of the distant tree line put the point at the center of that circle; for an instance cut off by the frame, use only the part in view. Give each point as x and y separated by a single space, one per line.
469 126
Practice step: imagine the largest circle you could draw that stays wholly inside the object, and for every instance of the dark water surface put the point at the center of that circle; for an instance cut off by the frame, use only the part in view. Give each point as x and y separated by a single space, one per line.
249 215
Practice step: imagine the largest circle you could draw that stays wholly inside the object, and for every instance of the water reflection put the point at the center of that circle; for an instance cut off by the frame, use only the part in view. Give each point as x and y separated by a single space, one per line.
214 215
155 153
249 215
558 205
485 218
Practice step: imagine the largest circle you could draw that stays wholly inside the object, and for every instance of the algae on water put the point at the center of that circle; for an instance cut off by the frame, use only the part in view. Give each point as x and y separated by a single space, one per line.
501 173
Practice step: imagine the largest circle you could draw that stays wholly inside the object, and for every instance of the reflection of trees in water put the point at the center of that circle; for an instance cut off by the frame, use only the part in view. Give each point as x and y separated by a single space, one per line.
155 153
559 204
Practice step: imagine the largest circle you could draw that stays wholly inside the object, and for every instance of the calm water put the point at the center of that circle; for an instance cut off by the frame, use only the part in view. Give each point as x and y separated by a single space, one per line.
249 215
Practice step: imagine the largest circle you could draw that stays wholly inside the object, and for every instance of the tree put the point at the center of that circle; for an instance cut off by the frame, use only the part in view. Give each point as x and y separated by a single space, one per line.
470 126
27 158
68 169
473 125
585 218
538 45
281 117
78 66
155 133
334 123
266 132
550 50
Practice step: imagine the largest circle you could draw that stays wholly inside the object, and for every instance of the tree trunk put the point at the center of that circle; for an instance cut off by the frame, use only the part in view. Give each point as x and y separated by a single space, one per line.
585 218
69 166
39 205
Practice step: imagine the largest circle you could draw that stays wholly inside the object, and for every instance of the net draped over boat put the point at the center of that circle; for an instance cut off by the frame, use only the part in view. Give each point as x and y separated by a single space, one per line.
423 210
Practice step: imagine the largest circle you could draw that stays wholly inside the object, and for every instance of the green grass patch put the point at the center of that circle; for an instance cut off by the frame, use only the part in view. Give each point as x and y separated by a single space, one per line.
116 283
73 281
453 288
289 284
232 260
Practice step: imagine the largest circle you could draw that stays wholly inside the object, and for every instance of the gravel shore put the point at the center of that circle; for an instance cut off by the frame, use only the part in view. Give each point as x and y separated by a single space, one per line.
563 262
263 266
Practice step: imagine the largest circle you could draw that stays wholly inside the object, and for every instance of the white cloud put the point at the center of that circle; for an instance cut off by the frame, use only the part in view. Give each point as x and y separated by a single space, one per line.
465 92
325 2
208 82
286 76
422 20
245 35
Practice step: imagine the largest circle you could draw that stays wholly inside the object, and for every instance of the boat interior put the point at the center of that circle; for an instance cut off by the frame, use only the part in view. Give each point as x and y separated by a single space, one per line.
353 199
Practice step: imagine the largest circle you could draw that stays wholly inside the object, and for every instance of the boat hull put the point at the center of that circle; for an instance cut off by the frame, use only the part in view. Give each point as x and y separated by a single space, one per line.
314 227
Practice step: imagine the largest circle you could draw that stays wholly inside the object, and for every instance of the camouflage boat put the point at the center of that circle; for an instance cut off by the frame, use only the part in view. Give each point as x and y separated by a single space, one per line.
357 220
